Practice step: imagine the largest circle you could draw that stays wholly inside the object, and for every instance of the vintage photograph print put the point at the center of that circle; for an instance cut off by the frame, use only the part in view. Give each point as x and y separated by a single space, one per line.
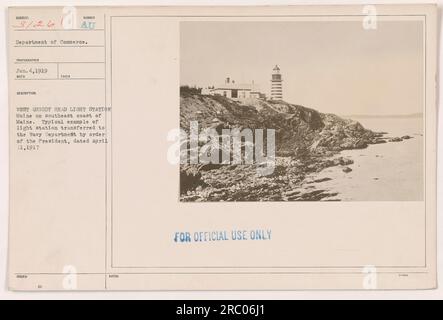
302 111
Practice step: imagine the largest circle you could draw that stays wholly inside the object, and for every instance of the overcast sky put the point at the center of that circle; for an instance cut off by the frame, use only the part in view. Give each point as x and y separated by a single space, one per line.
335 67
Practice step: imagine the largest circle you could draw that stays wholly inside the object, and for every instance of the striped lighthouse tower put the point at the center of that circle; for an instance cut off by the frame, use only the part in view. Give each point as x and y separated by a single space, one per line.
276 84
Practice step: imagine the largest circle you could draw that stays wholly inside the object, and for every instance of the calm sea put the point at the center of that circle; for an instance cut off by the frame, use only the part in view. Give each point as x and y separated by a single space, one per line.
393 171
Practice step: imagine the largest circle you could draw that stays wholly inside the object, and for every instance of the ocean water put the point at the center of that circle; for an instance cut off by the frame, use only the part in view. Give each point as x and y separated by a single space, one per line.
392 171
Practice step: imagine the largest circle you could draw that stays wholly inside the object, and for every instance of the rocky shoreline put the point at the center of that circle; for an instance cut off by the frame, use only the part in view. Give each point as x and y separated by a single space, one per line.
307 143
292 180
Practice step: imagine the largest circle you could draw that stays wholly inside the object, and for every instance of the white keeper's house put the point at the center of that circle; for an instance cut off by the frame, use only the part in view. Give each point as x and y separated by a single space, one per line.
244 91
235 91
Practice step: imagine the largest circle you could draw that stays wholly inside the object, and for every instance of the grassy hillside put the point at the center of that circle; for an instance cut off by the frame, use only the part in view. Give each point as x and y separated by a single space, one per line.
298 129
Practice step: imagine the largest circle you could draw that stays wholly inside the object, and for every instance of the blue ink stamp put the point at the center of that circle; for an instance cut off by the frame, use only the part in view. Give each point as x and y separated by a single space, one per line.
222 235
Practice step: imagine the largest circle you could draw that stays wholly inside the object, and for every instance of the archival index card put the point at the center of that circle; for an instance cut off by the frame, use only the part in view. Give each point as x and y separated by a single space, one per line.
222 148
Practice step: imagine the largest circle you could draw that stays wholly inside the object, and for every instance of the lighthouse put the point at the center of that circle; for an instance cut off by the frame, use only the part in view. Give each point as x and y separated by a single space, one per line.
276 84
